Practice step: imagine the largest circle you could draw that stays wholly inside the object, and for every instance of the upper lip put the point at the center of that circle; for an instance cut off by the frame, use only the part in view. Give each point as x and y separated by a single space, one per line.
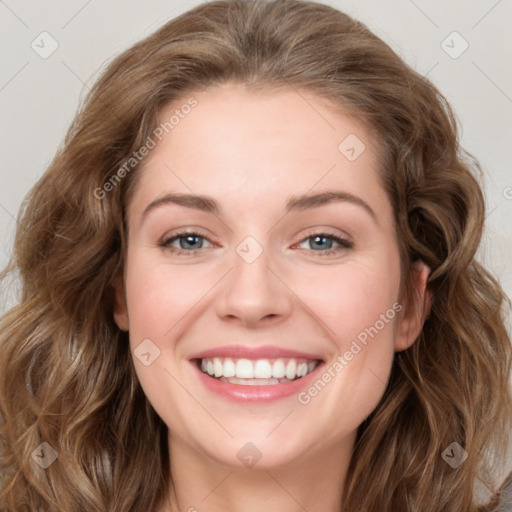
252 352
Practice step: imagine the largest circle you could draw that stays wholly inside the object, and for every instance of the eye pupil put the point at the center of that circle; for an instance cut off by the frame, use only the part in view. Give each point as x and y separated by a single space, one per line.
323 238
189 239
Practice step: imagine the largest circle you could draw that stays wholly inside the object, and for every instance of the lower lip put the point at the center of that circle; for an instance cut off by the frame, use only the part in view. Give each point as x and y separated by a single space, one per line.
268 393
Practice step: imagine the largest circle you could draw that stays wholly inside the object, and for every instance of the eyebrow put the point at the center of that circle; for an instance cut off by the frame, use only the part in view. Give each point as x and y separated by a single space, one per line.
294 203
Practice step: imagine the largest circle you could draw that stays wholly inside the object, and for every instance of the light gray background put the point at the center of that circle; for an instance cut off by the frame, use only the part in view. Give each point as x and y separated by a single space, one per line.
38 97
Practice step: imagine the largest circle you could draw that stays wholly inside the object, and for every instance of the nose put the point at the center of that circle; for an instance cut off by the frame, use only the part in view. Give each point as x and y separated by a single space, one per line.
254 294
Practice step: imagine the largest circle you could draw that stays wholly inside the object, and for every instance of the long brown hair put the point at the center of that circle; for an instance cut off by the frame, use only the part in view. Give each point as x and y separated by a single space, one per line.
67 377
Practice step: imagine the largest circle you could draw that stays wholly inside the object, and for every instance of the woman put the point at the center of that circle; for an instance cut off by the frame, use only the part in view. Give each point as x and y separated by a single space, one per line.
327 341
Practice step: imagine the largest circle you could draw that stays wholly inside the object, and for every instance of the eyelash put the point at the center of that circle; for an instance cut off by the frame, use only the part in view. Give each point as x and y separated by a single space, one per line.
343 243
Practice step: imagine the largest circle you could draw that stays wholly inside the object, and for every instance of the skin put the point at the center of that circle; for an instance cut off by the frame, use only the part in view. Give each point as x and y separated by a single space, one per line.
251 151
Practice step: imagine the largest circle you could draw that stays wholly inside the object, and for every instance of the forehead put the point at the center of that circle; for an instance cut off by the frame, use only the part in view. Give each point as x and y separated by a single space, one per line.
255 148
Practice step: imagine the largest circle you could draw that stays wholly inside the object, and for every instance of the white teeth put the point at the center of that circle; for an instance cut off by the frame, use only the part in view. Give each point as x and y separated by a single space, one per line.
254 382
260 370
244 369
291 368
217 367
278 370
229 368
302 369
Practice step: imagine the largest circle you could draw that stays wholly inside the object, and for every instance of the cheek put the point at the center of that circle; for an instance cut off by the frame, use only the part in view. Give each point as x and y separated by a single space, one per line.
162 300
352 297
358 306
159 296
348 298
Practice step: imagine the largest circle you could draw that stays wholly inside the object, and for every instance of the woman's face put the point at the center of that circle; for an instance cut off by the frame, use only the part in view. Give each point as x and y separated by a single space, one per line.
293 267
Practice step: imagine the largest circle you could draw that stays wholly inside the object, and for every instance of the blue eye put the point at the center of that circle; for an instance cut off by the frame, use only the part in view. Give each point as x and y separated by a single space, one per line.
188 242
191 242
324 242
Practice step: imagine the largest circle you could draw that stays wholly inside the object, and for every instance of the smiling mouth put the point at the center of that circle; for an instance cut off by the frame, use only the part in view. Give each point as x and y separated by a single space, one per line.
258 372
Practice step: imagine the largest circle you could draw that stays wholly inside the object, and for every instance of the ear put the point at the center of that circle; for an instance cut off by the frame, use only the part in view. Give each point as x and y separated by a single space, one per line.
120 307
416 311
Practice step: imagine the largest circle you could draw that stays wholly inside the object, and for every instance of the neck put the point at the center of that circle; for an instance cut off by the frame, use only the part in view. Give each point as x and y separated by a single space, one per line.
312 482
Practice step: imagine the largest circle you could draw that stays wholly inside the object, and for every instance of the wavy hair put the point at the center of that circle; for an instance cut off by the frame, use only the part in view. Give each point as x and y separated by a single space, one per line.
66 373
